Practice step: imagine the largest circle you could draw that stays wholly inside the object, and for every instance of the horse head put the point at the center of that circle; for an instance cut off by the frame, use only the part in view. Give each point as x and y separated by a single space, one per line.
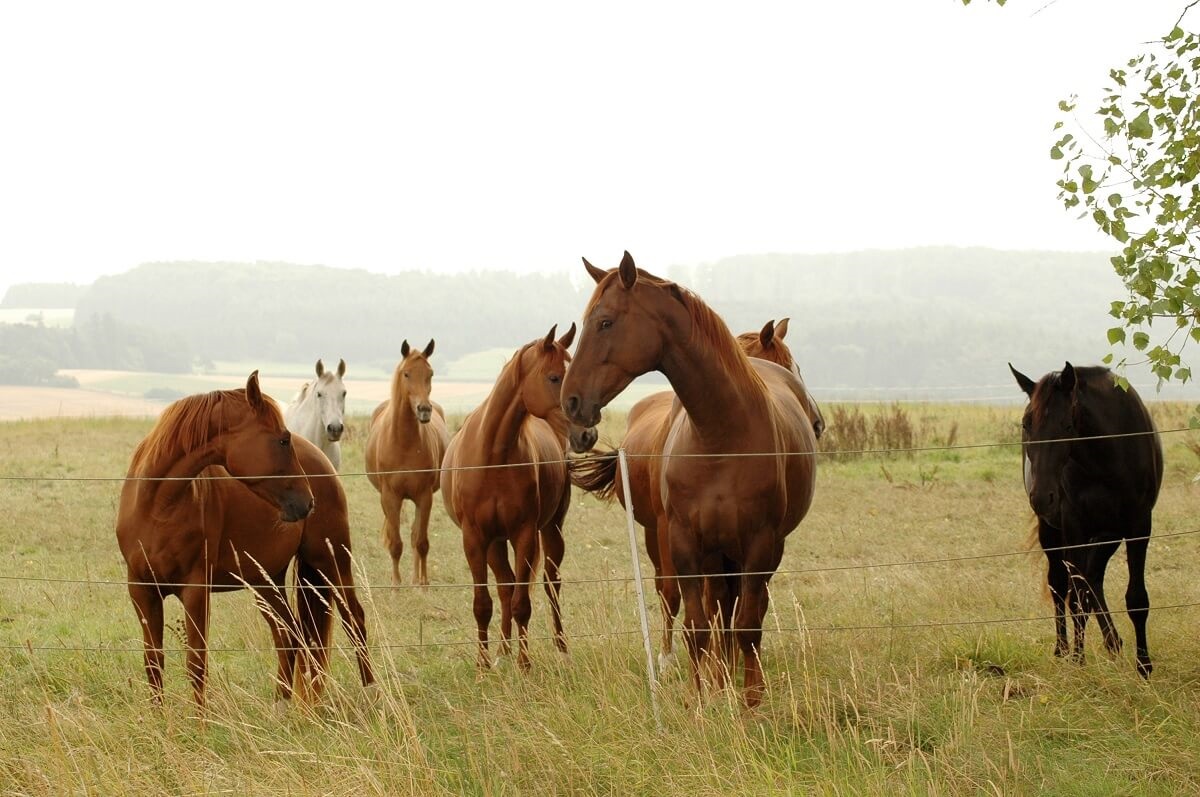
330 395
256 448
625 324
767 344
1052 419
541 367
416 379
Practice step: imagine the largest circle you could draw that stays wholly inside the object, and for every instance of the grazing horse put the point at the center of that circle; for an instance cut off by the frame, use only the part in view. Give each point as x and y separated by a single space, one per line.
1091 491
648 423
504 481
187 529
317 412
405 446
739 471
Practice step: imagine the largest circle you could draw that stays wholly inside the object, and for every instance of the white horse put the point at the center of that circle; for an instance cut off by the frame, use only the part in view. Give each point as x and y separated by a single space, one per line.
317 410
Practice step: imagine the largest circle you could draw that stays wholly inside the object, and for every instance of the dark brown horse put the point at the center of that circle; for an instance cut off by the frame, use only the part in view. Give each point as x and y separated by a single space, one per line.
188 536
1091 491
646 430
739 472
504 481
405 446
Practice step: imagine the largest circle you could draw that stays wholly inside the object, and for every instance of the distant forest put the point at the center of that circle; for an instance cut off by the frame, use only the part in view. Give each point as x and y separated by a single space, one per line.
919 317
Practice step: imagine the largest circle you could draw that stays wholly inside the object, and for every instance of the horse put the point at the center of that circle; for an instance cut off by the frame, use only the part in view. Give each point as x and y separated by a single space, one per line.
220 496
405 445
1086 491
316 413
739 470
648 423
504 481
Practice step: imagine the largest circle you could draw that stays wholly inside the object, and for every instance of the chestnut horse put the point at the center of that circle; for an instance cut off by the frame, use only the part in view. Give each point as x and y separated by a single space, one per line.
405 446
647 426
318 411
738 472
187 529
504 481
1086 491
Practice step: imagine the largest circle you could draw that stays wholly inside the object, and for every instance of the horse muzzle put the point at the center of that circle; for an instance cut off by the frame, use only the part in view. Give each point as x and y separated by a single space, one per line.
582 440
334 431
424 412
295 508
580 412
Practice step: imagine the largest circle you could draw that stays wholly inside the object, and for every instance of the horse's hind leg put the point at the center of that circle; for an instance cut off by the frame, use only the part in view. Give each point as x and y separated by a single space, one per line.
666 582
1097 564
525 546
497 559
148 604
195 607
554 548
273 604
420 538
1137 601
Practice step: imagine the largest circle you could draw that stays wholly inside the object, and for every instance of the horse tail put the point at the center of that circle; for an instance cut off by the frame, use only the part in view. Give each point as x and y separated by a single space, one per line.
596 474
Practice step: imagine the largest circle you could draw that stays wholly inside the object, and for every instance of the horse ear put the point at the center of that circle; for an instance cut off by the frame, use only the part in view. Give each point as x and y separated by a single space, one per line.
320 369
341 368
1068 377
428 352
767 335
781 329
548 343
566 340
254 396
597 273
404 348
628 270
1025 382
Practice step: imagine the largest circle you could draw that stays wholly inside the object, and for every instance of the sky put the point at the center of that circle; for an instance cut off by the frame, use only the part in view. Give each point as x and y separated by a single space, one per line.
451 136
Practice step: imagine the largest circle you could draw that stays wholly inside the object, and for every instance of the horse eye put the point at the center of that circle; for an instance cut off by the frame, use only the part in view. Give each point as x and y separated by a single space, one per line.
320 395
343 394
555 379
406 376
605 324
285 441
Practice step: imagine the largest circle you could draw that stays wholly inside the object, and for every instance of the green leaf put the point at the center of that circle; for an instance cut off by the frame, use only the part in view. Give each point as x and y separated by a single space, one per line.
1107 359
1114 199
1056 153
1183 374
1065 106
1116 335
1140 127
1140 340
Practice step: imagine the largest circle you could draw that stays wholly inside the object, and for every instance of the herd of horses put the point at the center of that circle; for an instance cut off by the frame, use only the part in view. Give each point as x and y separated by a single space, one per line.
226 491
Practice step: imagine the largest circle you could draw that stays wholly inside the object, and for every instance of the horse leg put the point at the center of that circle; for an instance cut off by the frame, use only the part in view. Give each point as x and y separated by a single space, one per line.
753 598
195 607
1097 563
718 608
497 558
685 557
475 548
667 582
525 547
1058 582
148 604
554 548
420 538
273 604
1137 600
1076 602
392 504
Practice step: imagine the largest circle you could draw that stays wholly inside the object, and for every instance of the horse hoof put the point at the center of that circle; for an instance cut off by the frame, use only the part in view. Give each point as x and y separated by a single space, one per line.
1144 668
372 694
666 661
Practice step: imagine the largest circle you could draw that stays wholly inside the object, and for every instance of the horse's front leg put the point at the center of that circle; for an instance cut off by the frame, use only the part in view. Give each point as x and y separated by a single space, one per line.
148 604
1097 564
474 546
497 558
525 547
1058 583
420 538
1137 600
195 599
753 598
685 557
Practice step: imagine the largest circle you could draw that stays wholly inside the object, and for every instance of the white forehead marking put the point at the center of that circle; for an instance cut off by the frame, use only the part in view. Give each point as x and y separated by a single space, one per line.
1028 476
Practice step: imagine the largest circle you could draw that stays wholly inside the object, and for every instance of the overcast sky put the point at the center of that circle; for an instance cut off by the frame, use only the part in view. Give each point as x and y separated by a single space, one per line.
446 135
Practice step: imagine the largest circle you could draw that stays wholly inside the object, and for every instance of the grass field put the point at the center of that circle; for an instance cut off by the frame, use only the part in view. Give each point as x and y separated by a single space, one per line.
858 701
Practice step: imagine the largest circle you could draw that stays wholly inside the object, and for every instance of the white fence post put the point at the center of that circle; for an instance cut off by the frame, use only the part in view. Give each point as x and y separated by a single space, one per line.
637 580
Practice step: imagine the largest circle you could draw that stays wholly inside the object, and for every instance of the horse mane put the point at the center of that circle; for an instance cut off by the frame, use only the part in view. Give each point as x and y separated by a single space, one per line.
186 425
1086 375
784 354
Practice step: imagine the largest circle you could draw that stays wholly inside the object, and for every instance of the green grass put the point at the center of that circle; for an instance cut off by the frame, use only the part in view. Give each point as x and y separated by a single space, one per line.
952 710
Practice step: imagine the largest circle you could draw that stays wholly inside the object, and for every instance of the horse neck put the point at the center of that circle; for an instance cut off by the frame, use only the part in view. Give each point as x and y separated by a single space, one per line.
175 472
715 382
504 416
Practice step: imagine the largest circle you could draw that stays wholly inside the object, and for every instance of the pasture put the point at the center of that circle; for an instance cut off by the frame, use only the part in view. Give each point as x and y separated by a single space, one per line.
884 679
